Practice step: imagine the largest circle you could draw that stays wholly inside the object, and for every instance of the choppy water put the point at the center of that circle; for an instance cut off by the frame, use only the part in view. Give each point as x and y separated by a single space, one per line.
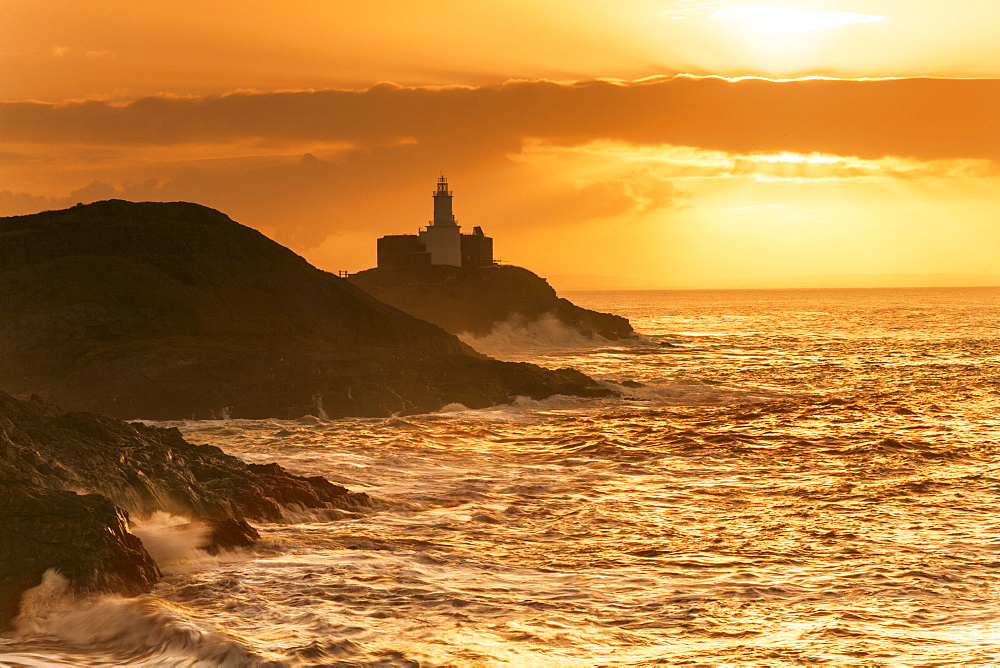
807 477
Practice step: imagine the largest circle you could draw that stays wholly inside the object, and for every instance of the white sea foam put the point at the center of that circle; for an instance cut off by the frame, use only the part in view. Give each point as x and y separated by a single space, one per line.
518 333
172 541
453 408
110 630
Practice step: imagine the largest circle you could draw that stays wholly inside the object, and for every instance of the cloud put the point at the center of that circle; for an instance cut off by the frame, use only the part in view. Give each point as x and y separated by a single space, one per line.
526 152
67 53
14 203
918 118
620 190
817 167
680 163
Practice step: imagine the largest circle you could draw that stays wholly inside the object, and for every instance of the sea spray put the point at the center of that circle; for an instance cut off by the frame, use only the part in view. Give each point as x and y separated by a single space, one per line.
519 333
91 629
173 541
318 404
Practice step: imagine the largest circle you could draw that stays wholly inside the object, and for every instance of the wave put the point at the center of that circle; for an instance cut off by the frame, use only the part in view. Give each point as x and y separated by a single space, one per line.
173 541
110 630
518 333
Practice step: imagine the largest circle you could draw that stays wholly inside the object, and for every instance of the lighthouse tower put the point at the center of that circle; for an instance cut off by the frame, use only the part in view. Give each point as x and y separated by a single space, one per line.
442 237
442 204
441 242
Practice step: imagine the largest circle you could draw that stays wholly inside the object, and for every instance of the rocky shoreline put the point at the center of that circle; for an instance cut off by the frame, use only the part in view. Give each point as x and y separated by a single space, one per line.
69 483
169 311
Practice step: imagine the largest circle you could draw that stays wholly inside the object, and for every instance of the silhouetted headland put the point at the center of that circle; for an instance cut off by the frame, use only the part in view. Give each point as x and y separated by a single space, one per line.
69 481
475 300
174 311
451 279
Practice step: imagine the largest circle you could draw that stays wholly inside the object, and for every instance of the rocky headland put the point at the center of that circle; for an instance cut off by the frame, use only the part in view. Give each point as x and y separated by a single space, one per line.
475 300
174 311
70 481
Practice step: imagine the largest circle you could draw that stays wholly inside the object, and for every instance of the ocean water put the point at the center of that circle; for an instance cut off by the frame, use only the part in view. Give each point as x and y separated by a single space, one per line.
805 477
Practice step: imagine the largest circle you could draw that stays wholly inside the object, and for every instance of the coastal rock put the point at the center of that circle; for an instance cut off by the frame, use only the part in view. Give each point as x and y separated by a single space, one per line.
274 482
474 300
86 538
47 457
145 469
174 311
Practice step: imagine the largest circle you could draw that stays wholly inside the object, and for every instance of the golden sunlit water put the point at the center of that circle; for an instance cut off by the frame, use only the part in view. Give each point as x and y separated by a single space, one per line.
806 477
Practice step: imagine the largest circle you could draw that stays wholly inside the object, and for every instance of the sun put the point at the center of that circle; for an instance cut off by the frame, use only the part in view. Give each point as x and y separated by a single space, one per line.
777 19
785 38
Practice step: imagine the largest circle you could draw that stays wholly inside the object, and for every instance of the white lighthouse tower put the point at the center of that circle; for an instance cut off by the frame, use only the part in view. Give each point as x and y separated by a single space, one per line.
442 237
441 242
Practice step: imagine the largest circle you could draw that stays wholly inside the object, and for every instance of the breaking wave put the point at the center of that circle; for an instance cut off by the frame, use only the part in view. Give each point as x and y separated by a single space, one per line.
172 541
101 630
517 334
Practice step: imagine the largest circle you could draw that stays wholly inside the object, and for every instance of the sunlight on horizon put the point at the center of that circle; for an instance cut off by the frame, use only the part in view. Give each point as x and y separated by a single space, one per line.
781 19
751 219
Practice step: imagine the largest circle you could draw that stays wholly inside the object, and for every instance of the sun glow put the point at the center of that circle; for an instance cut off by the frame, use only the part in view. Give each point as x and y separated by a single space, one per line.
681 163
760 218
781 19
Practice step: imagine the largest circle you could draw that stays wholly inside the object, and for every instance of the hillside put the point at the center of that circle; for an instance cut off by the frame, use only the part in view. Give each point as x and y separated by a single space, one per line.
172 310
474 300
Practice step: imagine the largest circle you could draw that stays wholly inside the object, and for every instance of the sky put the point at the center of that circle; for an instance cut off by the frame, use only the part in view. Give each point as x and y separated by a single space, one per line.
636 143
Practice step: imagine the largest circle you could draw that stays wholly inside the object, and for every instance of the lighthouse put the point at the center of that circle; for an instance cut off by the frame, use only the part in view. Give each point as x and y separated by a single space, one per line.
441 242
442 204
442 237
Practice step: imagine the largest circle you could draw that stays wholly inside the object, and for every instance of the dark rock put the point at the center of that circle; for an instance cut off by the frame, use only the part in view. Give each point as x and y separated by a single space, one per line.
46 456
274 482
144 469
628 383
86 538
229 533
174 311
475 300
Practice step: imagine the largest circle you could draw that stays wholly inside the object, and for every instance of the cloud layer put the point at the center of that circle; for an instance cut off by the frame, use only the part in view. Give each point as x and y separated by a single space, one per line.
919 118
525 152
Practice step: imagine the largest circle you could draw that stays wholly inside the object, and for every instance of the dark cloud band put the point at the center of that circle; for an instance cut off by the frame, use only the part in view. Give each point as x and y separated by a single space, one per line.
921 118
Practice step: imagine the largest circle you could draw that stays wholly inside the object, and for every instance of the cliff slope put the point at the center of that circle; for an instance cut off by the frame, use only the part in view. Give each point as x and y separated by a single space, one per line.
474 300
172 310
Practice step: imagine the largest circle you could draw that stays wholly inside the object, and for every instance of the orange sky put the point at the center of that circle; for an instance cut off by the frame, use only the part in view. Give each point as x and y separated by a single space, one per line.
637 143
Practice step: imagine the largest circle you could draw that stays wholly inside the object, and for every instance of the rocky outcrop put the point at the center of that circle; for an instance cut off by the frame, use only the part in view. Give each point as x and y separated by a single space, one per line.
173 311
68 483
474 300
86 538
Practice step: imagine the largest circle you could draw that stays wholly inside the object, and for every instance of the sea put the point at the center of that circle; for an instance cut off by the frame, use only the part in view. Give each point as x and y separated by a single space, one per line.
789 477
